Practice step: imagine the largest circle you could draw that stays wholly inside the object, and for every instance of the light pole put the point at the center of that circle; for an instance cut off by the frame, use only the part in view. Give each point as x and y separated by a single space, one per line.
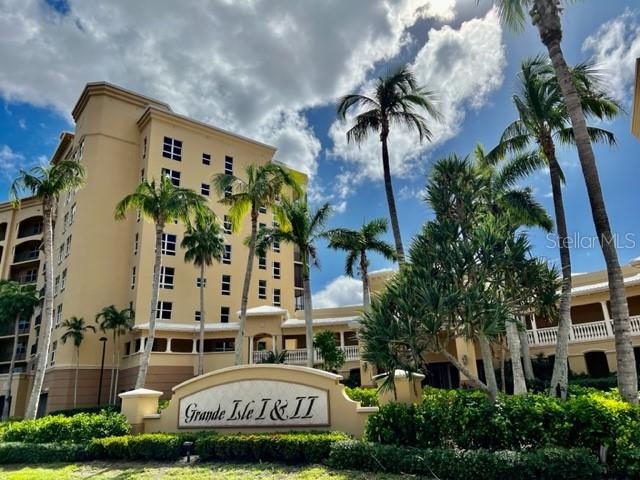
104 345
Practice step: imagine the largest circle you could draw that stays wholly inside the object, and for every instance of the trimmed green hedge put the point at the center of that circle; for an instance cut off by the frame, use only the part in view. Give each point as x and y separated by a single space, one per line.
149 446
31 453
294 447
451 464
80 428
368 397
70 412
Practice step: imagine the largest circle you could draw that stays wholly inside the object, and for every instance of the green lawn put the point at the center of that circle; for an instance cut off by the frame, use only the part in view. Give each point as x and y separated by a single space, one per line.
149 471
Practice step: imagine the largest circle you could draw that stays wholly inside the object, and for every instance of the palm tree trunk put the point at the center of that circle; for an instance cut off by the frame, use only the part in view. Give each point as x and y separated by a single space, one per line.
113 371
75 381
115 382
560 376
549 27
487 364
308 319
513 342
473 379
245 287
146 355
201 341
366 294
7 385
393 213
526 356
47 314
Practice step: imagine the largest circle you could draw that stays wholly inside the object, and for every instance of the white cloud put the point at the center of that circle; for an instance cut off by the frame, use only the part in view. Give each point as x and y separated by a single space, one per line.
10 162
339 292
252 66
462 66
615 47
22 124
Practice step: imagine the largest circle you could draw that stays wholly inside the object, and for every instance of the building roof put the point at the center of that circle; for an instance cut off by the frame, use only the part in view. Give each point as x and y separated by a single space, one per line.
297 322
264 310
184 327
600 286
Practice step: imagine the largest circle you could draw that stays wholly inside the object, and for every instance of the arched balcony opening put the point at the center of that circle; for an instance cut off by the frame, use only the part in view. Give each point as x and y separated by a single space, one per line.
30 226
27 251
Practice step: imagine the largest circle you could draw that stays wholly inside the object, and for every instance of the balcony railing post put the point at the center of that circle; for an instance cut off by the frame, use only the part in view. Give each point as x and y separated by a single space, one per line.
607 318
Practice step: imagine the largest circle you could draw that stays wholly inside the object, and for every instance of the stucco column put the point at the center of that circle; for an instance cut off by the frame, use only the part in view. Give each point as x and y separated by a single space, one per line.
142 342
194 346
534 329
138 404
168 349
251 349
342 339
466 353
273 344
607 318
407 389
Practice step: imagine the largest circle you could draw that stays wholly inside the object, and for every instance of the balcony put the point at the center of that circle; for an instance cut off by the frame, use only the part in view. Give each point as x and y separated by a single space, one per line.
298 356
581 332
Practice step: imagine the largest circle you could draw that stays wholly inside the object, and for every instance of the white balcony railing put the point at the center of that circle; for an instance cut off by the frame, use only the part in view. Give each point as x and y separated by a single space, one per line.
298 356
580 332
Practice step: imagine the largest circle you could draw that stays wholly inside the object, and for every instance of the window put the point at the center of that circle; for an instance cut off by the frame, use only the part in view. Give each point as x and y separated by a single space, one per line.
138 216
226 255
52 355
169 244
228 165
262 226
144 147
163 310
63 282
275 246
262 209
224 314
166 277
226 226
197 316
136 242
142 175
201 282
275 223
72 214
226 284
276 269
262 289
228 191
204 189
172 175
60 254
31 276
65 222
133 278
56 285
206 159
127 349
68 246
276 297
262 263
58 315
172 149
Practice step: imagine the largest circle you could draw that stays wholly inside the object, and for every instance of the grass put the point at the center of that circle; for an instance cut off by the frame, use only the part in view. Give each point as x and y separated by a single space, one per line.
182 471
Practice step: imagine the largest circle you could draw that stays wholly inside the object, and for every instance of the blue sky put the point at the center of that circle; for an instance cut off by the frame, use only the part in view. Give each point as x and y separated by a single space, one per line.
273 70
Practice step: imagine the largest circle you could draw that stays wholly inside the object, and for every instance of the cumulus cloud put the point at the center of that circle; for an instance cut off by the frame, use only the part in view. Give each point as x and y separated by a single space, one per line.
615 47
251 66
10 162
339 292
463 66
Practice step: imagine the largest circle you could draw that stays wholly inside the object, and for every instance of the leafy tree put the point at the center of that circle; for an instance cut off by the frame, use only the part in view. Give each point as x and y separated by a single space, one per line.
47 184
119 322
75 329
263 186
546 17
357 243
333 356
160 203
395 100
203 244
16 302
303 228
543 121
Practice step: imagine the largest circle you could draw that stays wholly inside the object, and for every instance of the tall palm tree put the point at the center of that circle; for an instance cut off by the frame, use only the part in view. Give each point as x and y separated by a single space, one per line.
357 243
161 203
203 244
543 120
16 302
545 15
395 99
260 189
119 322
304 228
46 183
75 329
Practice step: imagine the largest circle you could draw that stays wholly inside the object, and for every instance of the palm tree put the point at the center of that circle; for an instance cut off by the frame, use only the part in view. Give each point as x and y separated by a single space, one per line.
394 101
119 322
261 189
543 121
75 330
545 15
304 228
203 244
46 183
160 203
357 243
16 302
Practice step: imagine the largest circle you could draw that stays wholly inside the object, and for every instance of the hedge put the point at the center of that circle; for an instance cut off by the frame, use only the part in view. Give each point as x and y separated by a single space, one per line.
80 428
31 453
368 397
294 447
70 412
149 446
451 464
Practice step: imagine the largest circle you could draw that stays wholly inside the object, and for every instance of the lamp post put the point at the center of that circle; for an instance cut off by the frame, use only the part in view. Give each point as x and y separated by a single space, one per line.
104 346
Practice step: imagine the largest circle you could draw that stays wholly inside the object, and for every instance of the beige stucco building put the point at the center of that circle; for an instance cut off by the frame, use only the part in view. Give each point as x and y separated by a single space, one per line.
121 137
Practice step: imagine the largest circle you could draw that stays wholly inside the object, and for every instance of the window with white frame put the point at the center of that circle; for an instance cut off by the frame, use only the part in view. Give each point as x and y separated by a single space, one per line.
275 223
275 246
226 284
276 297
166 277
142 175
262 263
133 278
172 175
136 243
205 189
56 285
228 191
201 282
60 254
163 310
276 269
63 281
65 222
68 246
226 225
172 149
206 159
52 354
58 315
262 209
72 214
224 314
262 289
169 241
226 254
228 165
138 216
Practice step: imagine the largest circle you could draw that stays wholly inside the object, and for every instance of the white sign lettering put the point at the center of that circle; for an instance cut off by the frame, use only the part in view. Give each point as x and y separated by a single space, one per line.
255 403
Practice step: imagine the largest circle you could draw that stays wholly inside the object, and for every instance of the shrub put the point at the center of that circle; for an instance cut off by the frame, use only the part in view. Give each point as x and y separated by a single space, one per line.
549 463
30 453
294 447
149 446
79 428
70 412
368 397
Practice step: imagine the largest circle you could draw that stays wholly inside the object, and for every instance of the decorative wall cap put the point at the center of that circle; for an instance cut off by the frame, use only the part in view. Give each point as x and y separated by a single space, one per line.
141 392
399 374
